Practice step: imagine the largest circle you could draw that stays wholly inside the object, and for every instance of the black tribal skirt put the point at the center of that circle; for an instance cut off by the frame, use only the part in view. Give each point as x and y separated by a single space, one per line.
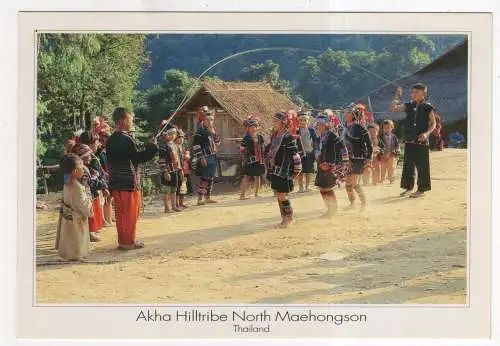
308 163
325 180
281 185
358 166
255 169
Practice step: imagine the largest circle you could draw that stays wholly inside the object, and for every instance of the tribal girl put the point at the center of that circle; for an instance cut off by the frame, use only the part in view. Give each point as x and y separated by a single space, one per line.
93 178
252 151
360 150
333 163
284 164
204 160
169 170
306 140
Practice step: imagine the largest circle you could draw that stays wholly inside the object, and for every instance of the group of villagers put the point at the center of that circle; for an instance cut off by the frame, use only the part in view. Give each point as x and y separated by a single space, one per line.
346 154
100 168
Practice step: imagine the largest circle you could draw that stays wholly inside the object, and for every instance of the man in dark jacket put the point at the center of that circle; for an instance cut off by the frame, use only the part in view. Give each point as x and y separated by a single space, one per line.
123 160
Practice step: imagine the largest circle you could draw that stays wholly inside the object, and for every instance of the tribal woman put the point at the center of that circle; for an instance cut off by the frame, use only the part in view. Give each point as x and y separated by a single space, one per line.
306 140
169 169
94 179
204 159
284 165
333 163
252 151
359 146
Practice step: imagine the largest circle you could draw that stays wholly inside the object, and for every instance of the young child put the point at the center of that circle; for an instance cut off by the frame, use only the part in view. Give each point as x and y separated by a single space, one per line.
391 150
183 159
101 154
333 163
73 238
169 170
92 140
376 164
306 139
360 149
252 151
94 179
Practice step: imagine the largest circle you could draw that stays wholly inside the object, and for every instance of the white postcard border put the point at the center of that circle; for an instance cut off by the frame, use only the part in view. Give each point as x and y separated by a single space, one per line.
495 239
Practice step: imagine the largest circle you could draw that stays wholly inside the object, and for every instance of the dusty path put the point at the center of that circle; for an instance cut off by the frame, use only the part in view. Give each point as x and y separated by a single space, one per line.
398 251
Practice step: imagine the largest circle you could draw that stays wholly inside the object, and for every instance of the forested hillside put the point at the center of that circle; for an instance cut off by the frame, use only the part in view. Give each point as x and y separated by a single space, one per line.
194 53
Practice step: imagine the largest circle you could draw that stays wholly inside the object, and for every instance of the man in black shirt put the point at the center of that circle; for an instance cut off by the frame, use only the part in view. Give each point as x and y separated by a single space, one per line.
419 123
123 161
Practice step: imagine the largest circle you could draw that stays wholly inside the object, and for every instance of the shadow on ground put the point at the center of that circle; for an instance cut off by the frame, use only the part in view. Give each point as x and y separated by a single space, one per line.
387 267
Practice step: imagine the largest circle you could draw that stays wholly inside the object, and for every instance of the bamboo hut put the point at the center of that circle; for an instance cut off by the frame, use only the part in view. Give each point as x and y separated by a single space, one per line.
232 102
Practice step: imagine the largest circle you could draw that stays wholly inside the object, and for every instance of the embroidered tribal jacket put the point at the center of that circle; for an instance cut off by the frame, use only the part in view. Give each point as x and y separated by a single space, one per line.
358 143
332 150
282 155
252 149
168 158
204 144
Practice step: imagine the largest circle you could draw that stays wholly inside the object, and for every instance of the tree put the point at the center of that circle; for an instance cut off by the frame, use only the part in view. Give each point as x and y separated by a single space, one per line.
269 71
83 75
160 101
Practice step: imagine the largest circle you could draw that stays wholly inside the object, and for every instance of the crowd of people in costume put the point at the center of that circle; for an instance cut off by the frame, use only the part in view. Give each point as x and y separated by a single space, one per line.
100 167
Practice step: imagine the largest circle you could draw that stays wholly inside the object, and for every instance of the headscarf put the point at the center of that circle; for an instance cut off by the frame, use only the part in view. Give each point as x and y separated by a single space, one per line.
82 150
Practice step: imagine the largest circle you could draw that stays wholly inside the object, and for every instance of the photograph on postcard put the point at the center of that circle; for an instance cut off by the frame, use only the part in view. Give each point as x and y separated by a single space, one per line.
251 168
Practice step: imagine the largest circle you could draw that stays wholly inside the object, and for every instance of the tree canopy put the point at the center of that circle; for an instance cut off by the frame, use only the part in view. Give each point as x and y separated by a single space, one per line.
81 76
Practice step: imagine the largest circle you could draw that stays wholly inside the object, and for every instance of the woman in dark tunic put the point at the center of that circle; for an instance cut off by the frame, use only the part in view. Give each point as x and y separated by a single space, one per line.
359 146
252 151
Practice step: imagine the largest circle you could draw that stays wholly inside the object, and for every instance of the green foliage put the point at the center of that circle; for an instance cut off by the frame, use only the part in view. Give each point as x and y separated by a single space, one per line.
82 76
147 187
269 72
160 101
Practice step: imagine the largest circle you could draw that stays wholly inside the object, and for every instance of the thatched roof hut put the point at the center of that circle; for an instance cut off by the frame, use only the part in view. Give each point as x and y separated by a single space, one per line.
233 102
447 81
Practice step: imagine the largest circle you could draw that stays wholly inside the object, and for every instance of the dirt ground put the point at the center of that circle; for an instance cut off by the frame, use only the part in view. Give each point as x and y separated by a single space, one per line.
399 250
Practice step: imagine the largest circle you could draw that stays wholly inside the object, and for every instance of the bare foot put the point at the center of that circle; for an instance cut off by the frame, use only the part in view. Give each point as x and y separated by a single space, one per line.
350 206
286 223
363 207
417 194
405 193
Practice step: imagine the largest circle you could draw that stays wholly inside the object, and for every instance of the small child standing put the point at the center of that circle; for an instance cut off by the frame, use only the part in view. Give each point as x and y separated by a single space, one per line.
376 164
76 210
252 151
181 149
391 150
169 170
94 178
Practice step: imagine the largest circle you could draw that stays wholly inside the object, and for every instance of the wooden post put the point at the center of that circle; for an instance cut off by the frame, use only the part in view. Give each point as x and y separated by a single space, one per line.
45 186
219 168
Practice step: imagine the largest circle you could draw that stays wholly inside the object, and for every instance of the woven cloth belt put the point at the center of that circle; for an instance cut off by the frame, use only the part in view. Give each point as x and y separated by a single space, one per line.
66 216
